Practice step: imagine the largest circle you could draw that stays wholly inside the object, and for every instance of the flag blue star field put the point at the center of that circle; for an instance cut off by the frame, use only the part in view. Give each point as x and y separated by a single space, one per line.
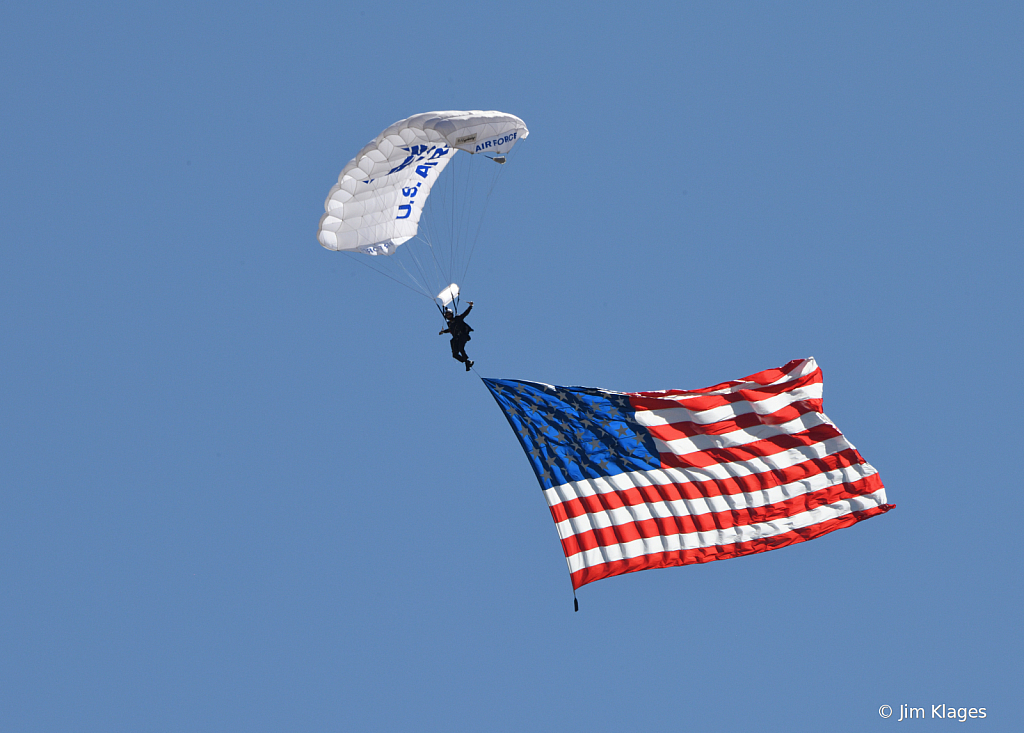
644 480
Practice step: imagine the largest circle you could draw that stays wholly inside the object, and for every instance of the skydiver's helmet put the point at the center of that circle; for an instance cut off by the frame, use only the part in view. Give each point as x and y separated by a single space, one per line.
448 315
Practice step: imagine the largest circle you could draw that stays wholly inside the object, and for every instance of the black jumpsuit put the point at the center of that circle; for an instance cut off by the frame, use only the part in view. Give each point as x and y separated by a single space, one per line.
460 331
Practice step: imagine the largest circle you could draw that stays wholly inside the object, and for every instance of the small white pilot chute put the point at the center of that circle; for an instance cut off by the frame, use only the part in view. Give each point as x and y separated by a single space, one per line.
449 294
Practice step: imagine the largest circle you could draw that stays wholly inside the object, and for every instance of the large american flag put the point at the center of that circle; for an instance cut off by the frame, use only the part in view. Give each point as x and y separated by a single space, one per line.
641 480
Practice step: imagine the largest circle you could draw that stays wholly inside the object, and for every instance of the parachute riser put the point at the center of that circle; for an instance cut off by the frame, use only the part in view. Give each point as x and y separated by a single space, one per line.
441 309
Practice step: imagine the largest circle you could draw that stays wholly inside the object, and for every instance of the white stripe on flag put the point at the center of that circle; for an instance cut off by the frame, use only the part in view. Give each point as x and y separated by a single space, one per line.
667 416
708 505
728 536
699 443
808 366
714 472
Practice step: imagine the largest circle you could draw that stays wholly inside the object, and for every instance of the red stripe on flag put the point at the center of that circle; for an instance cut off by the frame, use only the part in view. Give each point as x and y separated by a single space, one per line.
720 552
686 429
710 521
756 449
701 489
768 376
741 390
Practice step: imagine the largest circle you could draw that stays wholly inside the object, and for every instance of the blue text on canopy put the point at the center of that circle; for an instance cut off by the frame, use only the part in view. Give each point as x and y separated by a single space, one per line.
496 142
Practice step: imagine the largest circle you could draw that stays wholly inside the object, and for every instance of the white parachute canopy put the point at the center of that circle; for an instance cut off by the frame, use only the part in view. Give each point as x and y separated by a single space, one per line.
379 198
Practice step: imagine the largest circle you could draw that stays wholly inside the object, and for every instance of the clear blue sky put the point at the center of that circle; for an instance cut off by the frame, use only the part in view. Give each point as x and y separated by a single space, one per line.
243 486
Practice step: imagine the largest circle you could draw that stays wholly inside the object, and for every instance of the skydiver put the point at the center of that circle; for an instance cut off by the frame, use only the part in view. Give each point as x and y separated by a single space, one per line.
459 330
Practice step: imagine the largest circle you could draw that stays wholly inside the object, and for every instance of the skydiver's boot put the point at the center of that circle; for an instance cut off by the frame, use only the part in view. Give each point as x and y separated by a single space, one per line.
469 365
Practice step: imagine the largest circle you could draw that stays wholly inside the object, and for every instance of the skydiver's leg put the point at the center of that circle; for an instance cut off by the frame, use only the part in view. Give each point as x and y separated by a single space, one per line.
457 351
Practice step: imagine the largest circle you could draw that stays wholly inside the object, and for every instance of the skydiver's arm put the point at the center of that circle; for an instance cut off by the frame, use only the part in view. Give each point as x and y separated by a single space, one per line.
466 312
444 331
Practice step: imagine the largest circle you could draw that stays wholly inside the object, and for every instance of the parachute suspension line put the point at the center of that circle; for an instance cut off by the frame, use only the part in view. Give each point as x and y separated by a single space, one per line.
461 213
391 262
455 212
427 284
454 205
453 218
442 278
412 277
446 216
419 268
434 219
445 204
361 259
428 232
464 209
475 183
480 224
470 181
430 283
